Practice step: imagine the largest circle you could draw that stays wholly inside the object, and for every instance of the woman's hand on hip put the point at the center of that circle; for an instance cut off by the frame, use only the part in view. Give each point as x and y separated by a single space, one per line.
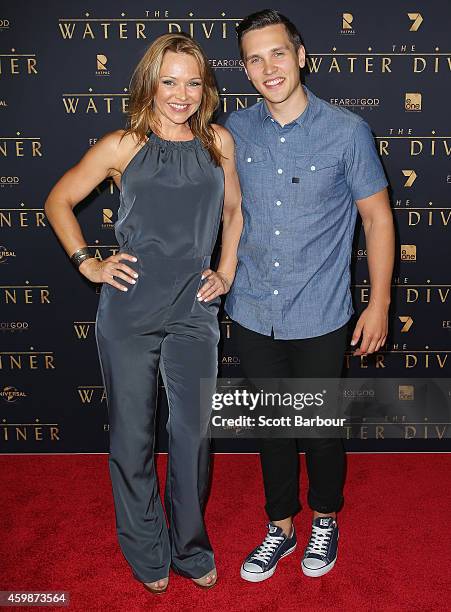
103 271
216 284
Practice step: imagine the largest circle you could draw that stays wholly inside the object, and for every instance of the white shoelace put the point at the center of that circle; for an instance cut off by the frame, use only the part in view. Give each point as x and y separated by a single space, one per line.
267 548
319 540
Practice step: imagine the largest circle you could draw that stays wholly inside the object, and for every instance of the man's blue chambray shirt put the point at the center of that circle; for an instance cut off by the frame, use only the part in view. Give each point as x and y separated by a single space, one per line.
299 185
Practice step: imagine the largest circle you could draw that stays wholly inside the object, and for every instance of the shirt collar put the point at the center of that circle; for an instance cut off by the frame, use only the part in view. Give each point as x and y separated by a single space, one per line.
305 119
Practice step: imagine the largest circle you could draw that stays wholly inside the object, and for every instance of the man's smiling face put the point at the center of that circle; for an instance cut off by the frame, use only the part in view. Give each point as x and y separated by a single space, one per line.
271 62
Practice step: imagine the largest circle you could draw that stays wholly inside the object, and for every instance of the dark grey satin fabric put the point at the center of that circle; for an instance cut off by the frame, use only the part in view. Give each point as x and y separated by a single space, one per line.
169 215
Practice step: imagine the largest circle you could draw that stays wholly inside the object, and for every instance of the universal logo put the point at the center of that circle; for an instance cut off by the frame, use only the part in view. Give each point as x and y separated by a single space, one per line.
9 180
102 70
412 102
408 252
107 216
407 321
4 24
346 24
3 104
13 326
406 392
5 254
10 394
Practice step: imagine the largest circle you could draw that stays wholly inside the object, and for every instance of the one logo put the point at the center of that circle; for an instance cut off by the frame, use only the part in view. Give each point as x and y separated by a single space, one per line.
417 21
272 528
408 252
406 392
408 322
324 522
411 177
412 102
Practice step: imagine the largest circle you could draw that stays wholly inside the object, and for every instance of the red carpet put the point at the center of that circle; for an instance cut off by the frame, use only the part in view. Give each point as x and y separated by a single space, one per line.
395 545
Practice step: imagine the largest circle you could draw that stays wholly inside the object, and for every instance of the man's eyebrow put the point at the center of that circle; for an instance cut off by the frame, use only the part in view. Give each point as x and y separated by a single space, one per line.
281 48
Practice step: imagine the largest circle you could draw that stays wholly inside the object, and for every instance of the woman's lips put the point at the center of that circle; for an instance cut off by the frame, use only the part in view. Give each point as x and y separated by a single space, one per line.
178 108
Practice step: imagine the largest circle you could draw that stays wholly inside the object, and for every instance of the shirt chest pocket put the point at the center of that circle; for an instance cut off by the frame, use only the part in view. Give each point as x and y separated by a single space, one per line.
314 183
253 164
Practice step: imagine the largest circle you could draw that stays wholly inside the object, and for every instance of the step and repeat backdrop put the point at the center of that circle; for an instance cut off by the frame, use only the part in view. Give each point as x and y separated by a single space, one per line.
65 68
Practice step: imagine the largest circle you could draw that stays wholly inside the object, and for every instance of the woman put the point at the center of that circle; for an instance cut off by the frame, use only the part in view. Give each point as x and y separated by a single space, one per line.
159 300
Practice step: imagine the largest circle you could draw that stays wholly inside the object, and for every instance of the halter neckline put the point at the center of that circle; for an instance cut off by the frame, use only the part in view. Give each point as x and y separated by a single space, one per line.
175 143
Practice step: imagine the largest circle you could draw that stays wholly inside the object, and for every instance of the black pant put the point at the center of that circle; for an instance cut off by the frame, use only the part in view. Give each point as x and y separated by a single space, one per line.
265 357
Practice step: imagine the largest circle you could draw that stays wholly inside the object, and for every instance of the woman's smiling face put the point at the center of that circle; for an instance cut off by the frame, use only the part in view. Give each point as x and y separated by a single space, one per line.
180 88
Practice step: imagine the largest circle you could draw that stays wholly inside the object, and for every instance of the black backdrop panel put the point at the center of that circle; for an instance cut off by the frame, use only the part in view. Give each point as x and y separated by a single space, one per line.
64 73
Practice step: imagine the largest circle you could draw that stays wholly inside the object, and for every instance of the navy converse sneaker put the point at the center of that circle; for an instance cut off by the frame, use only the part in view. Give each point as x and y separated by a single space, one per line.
321 552
261 563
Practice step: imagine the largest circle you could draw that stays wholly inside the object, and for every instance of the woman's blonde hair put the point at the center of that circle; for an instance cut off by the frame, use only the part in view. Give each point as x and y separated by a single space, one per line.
144 84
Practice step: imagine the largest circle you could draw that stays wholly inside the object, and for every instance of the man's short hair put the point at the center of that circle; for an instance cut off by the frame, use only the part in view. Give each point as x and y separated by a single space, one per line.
264 18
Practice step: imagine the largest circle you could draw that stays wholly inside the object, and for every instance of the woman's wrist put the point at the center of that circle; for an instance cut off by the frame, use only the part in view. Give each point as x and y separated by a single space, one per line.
226 278
80 256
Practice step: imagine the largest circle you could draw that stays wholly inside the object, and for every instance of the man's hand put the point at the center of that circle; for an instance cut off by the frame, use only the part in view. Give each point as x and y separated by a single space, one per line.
373 326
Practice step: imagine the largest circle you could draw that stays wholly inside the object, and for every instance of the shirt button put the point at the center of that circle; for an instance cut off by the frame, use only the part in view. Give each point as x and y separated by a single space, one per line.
249 159
276 263
278 202
279 171
275 292
277 232
282 139
312 167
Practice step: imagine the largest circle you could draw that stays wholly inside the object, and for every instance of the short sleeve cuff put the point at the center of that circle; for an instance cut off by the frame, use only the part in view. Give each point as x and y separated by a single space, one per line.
370 188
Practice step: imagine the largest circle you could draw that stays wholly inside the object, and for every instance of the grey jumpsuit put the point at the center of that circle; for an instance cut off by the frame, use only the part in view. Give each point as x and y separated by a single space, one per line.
170 210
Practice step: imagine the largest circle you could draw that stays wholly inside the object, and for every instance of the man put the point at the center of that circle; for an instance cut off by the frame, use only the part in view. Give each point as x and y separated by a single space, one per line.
305 167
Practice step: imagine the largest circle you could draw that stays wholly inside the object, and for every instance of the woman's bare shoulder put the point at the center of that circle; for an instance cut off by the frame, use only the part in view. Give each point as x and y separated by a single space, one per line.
119 140
121 146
